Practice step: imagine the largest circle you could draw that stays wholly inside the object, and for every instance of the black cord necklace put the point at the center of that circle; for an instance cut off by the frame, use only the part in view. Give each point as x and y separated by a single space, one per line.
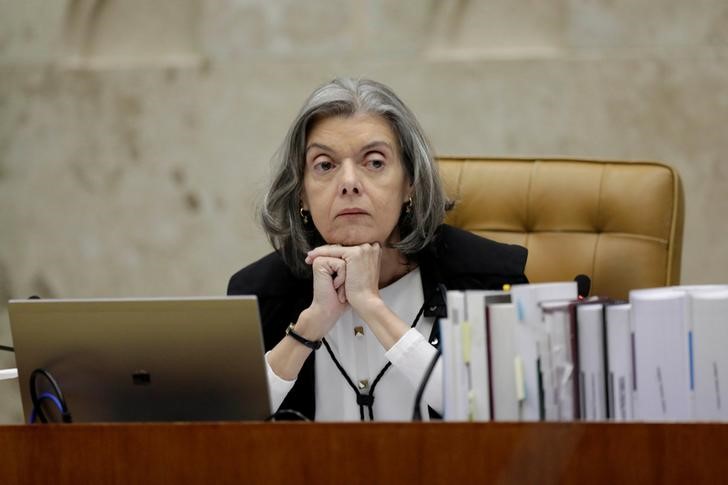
362 399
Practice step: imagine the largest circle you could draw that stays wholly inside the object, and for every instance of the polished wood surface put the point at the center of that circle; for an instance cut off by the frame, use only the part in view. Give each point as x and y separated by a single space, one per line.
543 453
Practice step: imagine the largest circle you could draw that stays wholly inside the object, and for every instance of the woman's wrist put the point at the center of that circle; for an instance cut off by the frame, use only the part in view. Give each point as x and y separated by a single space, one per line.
311 324
367 304
311 344
370 307
386 325
287 358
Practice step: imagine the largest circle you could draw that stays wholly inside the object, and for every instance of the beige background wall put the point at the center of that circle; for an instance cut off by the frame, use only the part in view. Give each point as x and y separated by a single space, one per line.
135 135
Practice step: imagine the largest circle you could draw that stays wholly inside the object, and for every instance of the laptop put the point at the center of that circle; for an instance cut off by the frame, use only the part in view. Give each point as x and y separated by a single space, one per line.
122 360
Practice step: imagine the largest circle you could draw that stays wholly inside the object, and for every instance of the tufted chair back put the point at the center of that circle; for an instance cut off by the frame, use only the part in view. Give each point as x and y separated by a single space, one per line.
620 223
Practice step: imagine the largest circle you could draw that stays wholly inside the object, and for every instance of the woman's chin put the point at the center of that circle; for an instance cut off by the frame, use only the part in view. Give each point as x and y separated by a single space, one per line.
352 238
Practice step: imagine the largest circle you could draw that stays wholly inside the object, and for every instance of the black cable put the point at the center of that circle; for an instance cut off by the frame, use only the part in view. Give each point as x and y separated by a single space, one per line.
283 412
36 401
43 397
7 348
416 414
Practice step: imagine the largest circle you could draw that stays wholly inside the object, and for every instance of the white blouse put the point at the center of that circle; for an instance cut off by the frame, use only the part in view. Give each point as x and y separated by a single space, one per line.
362 357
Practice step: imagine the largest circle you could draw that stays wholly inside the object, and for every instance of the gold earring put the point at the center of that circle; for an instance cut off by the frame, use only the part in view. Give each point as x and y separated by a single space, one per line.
303 215
408 206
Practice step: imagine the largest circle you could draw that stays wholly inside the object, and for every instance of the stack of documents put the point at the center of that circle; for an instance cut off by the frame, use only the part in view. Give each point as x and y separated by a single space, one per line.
537 352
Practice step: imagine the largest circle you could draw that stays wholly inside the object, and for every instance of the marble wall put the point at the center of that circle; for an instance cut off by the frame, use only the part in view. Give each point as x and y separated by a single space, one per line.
135 135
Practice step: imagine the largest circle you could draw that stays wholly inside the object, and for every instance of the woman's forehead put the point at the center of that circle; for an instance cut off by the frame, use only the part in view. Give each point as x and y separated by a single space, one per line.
360 127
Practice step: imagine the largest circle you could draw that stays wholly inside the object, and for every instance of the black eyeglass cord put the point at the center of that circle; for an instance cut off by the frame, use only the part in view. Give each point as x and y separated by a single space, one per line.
362 399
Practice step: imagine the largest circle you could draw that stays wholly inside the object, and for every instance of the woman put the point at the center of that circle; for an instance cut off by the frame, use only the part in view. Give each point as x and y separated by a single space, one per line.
355 214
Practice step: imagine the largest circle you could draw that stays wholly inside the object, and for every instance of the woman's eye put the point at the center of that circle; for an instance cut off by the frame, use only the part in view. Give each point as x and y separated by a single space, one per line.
324 166
376 163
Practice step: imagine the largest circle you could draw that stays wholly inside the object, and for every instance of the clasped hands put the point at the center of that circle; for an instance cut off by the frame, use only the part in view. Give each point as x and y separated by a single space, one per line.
344 274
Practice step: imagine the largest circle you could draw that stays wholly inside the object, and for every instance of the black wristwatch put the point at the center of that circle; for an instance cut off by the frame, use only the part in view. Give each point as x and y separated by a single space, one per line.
311 344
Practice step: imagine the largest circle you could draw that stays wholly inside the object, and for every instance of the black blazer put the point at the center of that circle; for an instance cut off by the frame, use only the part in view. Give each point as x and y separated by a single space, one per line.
458 259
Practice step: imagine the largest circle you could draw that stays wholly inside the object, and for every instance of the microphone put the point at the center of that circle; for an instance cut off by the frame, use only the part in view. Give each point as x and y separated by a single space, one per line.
583 285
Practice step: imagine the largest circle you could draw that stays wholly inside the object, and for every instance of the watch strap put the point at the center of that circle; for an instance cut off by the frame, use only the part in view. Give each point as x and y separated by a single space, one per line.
311 344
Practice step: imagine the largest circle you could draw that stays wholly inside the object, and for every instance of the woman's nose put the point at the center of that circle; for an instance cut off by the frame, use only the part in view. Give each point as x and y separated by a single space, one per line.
349 183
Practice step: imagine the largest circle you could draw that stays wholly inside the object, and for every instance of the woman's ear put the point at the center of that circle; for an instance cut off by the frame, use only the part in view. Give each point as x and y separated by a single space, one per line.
409 190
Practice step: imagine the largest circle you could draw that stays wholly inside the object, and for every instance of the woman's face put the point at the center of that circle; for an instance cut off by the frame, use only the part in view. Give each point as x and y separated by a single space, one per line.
354 183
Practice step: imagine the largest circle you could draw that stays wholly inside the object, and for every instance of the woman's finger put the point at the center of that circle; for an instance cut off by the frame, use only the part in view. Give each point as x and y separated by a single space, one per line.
331 250
340 274
330 266
337 251
341 293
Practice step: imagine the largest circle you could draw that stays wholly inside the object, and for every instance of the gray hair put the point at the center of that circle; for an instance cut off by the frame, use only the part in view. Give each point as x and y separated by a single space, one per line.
280 211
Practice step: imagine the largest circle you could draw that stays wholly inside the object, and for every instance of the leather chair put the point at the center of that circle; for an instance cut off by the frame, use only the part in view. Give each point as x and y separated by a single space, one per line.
620 223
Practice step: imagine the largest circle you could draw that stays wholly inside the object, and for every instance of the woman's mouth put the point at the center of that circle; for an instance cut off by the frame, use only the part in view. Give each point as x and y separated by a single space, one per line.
352 212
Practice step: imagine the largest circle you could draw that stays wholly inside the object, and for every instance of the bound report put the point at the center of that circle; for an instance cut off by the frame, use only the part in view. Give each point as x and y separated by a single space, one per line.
592 366
530 330
709 315
662 354
620 362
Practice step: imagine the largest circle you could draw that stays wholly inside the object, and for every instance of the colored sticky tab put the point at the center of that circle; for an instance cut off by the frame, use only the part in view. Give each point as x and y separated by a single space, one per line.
465 336
519 311
518 374
692 362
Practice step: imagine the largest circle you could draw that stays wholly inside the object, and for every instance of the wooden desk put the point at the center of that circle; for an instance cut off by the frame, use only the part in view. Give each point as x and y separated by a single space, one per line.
543 453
